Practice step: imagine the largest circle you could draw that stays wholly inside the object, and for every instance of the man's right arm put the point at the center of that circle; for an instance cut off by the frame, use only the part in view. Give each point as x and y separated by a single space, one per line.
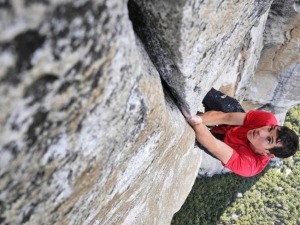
212 118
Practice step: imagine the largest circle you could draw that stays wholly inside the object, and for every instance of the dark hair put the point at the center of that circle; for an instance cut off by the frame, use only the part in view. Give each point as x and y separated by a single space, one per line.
289 140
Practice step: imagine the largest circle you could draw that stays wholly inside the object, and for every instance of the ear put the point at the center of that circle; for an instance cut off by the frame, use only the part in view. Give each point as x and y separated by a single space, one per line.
252 146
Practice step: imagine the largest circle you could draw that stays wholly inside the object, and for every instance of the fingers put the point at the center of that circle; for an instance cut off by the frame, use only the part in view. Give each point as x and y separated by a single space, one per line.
185 113
194 120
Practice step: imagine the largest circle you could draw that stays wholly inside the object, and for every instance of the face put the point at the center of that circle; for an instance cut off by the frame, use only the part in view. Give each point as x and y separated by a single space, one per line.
263 138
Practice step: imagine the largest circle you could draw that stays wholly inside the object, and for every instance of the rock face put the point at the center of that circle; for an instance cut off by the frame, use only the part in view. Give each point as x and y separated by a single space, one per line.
276 84
91 129
195 45
87 134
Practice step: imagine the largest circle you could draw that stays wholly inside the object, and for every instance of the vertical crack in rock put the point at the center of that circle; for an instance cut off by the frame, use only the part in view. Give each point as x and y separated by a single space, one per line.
157 51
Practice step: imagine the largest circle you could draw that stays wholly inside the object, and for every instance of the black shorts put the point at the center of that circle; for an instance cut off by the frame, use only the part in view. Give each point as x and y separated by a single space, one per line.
218 101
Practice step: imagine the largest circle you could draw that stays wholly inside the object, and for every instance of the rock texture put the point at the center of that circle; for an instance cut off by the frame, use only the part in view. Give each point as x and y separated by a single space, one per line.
86 131
91 129
275 86
197 44
87 134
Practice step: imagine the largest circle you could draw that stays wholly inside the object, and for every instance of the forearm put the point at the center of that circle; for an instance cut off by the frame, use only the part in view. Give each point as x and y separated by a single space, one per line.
204 136
219 149
212 118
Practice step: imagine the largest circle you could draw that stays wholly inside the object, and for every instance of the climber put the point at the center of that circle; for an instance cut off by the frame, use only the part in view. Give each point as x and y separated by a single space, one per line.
243 142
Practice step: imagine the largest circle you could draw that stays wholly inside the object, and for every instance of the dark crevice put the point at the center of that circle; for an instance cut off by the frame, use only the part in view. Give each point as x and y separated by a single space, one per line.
157 50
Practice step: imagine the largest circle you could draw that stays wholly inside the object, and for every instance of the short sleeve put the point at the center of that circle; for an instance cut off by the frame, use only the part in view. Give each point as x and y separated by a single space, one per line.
245 166
259 118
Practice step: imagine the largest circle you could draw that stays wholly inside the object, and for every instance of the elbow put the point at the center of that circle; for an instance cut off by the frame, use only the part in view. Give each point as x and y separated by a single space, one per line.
227 118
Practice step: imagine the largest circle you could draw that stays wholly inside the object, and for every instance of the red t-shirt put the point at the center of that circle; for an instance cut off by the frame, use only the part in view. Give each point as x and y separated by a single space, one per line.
243 160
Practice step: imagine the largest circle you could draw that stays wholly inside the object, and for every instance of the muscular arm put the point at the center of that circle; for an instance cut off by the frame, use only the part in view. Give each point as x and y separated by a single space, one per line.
218 148
212 118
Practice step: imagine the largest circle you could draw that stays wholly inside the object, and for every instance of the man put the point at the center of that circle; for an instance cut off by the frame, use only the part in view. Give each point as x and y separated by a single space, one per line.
250 139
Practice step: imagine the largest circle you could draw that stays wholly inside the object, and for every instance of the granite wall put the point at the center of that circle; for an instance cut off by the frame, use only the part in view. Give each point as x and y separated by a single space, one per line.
91 93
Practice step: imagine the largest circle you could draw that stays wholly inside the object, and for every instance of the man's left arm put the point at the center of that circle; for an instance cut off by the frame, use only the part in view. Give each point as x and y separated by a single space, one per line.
218 148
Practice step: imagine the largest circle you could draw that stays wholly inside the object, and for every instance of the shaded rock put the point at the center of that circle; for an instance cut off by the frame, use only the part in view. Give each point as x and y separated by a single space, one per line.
91 129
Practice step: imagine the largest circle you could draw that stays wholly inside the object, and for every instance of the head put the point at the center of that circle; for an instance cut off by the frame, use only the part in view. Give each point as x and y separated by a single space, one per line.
279 141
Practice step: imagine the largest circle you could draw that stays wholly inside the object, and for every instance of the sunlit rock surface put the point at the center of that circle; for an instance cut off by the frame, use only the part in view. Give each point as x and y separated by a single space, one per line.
276 85
91 92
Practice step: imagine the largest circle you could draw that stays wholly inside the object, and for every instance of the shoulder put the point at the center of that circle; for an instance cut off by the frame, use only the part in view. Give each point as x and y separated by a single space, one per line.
260 113
246 165
260 118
